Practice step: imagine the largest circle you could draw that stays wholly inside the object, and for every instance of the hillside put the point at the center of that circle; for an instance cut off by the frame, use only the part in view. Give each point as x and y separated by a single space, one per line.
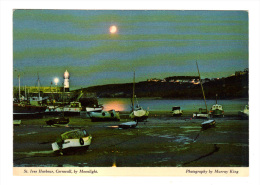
226 88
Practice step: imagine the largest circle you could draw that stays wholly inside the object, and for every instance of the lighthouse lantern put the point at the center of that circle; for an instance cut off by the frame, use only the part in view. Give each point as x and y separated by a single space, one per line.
66 81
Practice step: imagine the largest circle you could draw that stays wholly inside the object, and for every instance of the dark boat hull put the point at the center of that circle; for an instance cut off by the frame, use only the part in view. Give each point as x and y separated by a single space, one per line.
217 113
208 124
177 115
67 113
58 122
73 150
243 115
126 126
27 111
140 119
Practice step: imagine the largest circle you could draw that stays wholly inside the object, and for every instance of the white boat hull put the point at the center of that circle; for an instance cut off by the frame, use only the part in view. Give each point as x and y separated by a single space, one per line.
72 143
139 115
72 111
200 115
104 115
130 124
92 109
244 113
177 113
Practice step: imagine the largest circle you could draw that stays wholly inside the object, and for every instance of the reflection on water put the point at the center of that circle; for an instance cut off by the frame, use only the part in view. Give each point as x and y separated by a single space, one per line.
116 104
124 104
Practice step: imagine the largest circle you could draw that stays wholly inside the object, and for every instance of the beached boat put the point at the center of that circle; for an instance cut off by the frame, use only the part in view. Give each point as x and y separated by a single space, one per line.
176 111
73 109
17 122
138 113
72 140
216 110
203 113
130 124
60 121
110 115
89 102
208 124
244 113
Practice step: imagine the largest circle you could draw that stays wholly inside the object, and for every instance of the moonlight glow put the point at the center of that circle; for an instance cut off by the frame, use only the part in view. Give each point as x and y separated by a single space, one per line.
113 29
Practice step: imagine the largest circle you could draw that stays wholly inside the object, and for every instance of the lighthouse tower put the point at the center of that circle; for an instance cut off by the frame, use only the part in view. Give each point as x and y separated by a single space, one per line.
66 81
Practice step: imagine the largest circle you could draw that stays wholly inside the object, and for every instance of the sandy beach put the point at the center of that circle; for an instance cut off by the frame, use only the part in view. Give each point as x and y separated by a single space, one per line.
161 141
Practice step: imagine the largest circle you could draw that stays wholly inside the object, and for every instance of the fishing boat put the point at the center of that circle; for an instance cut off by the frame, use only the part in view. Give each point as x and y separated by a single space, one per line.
59 121
71 141
73 109
208 124
24 109
130 124
176 111
216 110
244 113
138 113
110 115
89 102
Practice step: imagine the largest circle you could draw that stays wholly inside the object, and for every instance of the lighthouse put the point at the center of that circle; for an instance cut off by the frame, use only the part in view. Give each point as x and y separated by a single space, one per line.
66 81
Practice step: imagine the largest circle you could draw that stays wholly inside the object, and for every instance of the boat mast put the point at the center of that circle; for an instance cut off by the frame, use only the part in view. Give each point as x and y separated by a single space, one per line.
202 87
133 91
25 92
38 85
19 88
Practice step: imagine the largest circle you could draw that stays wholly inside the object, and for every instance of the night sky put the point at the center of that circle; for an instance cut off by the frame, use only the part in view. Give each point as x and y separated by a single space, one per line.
156 44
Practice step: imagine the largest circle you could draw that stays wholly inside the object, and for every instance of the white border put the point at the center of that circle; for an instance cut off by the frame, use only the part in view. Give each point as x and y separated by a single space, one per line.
6 8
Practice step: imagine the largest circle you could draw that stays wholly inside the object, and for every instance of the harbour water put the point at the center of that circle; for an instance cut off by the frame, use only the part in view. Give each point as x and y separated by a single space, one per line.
153 104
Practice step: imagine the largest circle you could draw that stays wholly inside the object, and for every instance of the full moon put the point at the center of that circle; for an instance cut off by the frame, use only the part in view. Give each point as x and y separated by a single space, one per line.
113 29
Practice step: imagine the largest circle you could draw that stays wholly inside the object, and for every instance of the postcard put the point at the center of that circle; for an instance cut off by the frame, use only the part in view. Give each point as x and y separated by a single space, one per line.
130 92
130 88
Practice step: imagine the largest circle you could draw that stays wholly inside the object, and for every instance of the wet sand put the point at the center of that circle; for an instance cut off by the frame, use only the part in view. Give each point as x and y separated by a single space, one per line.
162 141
